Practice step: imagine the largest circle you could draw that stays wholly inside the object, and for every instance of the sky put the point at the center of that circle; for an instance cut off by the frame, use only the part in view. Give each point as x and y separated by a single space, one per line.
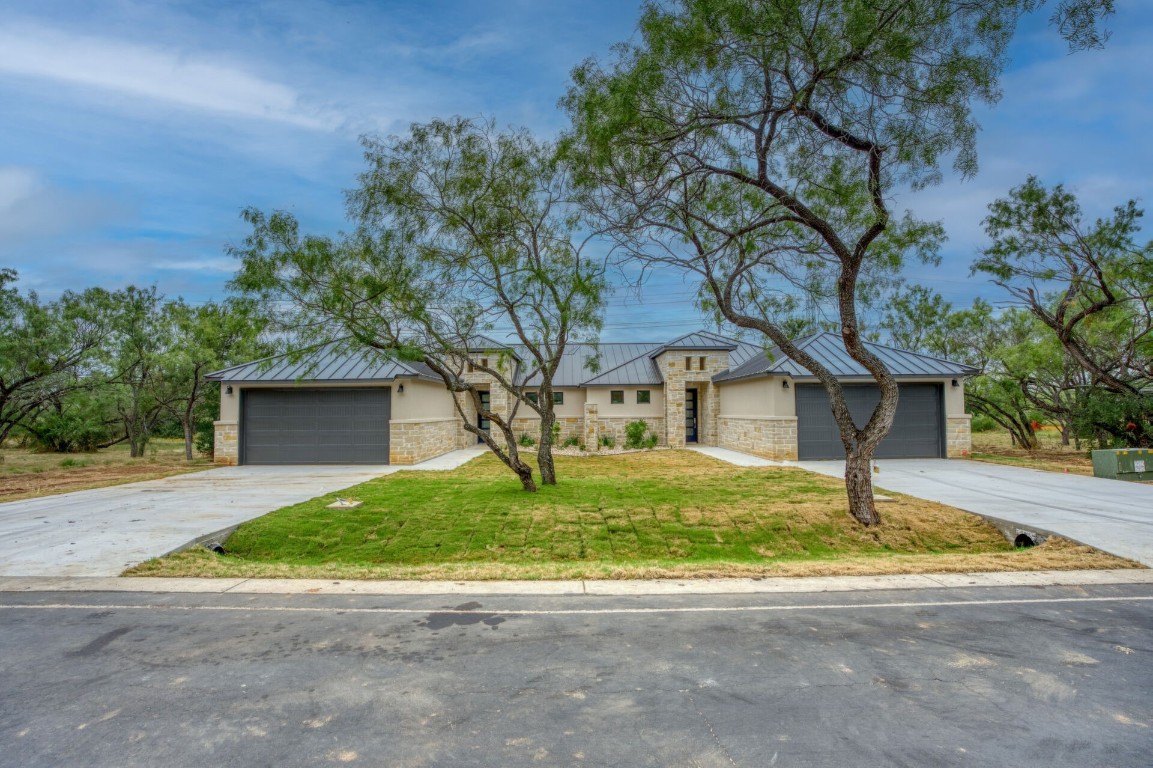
132 133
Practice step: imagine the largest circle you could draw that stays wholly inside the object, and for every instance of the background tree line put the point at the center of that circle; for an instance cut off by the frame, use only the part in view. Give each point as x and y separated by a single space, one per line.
96 368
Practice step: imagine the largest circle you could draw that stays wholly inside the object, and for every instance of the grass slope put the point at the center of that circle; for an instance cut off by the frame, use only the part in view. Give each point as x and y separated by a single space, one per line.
660 514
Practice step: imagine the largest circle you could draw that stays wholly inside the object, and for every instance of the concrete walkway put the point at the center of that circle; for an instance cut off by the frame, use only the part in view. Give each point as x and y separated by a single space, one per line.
103 531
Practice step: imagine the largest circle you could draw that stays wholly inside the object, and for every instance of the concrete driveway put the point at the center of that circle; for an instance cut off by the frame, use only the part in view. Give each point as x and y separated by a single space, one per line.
1112 515
103 531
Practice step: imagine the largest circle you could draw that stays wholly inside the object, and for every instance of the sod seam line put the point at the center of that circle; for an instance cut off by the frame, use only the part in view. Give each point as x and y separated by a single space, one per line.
574 611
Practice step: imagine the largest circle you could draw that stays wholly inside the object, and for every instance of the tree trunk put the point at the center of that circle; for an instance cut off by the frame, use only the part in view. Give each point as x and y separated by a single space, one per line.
859 485
544 458
187 424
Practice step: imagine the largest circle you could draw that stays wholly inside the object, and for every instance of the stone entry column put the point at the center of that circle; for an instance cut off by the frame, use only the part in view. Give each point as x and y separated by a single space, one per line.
592 431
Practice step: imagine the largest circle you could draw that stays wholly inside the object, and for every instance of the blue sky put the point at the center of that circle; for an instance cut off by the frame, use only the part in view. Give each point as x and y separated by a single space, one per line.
133 133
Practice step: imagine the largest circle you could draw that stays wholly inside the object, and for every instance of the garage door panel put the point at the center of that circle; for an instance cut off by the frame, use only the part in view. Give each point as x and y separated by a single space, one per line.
917 426
337 426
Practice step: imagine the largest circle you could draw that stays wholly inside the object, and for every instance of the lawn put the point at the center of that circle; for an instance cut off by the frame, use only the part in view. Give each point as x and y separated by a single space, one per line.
26 474
640 515
995 446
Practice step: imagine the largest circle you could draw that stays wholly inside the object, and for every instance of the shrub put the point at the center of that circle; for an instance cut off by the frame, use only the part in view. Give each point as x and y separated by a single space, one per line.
608 441
555 432
572 442
527 440
635 434
982 423
69 463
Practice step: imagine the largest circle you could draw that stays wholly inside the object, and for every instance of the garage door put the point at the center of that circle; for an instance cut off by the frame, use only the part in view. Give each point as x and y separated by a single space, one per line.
917 432
315 426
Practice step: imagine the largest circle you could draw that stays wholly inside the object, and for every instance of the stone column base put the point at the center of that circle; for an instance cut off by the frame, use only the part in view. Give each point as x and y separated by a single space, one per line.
959 436
226 443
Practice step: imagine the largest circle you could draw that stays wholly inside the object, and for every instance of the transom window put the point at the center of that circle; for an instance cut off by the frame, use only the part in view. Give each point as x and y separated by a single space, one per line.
643 396
558 398
617 396
533 397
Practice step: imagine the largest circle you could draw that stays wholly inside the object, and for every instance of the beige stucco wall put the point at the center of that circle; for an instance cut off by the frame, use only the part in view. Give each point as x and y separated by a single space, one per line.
573 406
601 397
421 400
758 397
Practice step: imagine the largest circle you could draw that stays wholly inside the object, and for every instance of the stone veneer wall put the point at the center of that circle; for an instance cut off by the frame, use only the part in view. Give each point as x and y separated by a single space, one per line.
570 426
411 442
677 379
958 436
615 427
772 437
226 443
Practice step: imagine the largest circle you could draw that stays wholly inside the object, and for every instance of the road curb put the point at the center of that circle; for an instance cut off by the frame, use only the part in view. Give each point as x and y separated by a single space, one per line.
588 587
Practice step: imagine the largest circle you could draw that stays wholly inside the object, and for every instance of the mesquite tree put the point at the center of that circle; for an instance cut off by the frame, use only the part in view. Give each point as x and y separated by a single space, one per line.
754 144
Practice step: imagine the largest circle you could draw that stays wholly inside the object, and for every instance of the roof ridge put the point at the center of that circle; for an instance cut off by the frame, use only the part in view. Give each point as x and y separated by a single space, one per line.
616 367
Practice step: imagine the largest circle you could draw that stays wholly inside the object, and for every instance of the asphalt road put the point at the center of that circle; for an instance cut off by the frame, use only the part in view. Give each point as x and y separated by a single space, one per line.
1055 676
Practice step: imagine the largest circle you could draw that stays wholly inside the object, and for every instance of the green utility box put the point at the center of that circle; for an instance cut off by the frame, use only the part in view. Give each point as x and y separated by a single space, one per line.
1134 464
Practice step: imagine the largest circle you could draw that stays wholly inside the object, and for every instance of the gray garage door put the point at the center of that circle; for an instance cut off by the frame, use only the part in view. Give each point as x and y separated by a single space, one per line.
315 426
917 431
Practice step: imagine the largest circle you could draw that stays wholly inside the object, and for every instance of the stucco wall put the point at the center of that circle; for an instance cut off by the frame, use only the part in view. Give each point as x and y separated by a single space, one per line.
421 400
630 408
758 397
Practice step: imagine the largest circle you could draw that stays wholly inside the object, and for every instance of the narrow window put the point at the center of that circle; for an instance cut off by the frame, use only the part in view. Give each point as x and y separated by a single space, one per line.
643 396
688 363
702 363
471 367
617 397
532 397
484 362
558 398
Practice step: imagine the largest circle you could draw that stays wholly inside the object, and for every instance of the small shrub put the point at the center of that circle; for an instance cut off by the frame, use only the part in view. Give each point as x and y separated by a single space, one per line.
982 423
608 441
572 442
527 440
555 433
650 441
635 434
69 463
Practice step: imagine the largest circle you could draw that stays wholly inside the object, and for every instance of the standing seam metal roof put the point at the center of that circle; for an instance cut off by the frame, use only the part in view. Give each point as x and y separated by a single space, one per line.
324 363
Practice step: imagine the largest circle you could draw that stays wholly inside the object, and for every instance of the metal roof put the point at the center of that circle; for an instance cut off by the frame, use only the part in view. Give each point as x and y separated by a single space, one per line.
574 370
697 340
328 362
633 364
829 350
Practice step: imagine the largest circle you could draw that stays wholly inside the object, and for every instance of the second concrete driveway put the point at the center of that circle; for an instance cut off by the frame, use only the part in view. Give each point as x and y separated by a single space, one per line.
1112 515
103 531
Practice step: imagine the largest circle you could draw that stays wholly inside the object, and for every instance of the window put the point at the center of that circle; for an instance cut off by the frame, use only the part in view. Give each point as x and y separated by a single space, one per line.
484 362
688 363
643 396
532 397
558 398
702 363
617 397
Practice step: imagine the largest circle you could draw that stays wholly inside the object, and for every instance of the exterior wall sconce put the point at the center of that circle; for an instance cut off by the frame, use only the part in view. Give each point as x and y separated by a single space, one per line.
956 383
400 389
785 384
228 389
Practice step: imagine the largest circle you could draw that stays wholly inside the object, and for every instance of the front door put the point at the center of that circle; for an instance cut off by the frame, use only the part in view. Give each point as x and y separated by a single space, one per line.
690 415
481 421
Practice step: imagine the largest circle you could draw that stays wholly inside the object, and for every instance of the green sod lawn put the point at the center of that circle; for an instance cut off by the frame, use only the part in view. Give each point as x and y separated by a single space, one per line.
647 514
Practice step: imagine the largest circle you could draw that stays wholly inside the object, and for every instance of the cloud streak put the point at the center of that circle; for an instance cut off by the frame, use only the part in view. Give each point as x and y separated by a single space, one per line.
197 81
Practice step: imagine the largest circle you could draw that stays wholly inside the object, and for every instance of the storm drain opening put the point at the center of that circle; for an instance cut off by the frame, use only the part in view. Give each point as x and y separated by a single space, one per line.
1024 541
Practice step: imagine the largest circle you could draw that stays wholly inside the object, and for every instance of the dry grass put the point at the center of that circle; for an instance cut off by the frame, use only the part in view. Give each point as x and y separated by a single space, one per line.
996 447
668 514
26 474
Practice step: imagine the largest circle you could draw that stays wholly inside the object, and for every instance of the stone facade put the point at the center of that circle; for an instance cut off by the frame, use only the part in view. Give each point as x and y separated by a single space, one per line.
959 436
678 378
411 442
226 443
570 426
772 437
615 428
591 428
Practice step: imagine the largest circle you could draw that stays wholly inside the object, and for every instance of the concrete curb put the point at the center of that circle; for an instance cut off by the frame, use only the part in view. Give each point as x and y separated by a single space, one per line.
559 588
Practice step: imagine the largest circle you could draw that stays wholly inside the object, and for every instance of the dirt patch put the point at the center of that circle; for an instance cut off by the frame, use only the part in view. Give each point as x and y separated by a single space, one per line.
50 482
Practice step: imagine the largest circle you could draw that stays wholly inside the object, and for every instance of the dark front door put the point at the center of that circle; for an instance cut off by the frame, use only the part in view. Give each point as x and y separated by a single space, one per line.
917 432
314 426
481 421
690 415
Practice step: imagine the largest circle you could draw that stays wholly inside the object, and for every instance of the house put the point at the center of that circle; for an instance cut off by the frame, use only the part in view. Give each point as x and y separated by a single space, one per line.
331 408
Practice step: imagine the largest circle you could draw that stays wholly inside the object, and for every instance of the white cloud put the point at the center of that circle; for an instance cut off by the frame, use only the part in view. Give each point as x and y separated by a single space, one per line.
32 209
191 80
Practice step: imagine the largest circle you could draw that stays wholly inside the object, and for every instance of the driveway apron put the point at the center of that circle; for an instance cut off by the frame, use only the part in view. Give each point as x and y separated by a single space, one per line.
103 531
1112 515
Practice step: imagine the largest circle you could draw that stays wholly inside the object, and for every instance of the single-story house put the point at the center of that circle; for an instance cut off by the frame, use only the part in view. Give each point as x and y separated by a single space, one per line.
331 408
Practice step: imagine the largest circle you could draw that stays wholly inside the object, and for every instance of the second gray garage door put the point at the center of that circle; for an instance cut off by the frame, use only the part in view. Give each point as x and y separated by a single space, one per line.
917 433
315 426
